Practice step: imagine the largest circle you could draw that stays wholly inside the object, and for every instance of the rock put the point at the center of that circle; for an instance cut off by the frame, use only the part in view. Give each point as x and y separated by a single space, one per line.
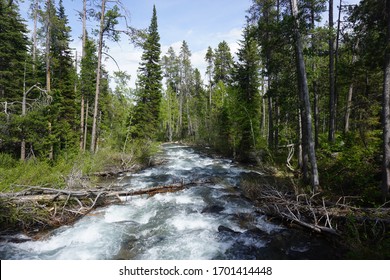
213 209
226 229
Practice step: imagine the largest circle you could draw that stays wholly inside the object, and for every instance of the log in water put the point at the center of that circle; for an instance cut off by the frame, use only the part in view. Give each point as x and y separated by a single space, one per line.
211 220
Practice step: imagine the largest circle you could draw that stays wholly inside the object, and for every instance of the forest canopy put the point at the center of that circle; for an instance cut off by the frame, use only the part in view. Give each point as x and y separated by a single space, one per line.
307 90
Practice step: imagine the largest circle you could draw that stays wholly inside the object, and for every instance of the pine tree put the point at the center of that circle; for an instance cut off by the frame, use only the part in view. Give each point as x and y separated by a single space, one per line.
13 51
247 76
14 62
63 80
146 114
223 63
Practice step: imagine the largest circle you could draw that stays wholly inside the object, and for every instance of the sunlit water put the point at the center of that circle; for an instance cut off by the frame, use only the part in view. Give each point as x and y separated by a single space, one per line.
205 221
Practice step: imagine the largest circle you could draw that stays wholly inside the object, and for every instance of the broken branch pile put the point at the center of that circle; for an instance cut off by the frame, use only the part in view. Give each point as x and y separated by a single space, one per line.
315 213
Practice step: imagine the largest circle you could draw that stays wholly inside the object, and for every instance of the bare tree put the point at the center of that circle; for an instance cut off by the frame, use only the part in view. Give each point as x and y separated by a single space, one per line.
97 92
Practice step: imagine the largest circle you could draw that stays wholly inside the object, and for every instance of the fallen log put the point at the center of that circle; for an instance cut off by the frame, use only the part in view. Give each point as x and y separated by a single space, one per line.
42 207
49 194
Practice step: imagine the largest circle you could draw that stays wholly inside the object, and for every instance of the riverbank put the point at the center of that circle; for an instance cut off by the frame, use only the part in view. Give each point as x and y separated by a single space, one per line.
67 174
361 231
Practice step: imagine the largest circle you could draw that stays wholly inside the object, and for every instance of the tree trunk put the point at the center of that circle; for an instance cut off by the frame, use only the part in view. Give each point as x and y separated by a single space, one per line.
315 83
98 70
349 98
386 112
304 96
270 121
86 126
332 95
48 68
47 46
348 108
82 138
34 47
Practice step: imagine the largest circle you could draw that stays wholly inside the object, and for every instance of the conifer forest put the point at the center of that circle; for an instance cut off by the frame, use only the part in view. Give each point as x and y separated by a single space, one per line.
305 100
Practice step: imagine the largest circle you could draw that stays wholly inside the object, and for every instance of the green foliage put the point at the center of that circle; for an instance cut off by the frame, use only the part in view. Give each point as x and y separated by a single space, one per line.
349 168
146 112
367 239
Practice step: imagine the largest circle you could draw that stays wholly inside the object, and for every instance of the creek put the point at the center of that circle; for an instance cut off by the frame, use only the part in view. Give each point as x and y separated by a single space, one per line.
213 220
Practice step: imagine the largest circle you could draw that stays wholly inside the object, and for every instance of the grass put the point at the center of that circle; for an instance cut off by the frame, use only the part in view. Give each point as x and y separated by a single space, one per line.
69 169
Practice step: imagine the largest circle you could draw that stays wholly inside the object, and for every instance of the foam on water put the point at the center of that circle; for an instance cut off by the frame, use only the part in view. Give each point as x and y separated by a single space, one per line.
180 225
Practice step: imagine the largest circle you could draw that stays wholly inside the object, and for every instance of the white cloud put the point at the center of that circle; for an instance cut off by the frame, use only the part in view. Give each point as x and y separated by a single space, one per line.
128 57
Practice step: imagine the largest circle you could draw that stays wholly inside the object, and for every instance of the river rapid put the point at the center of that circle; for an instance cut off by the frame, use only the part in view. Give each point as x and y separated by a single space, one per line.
212 220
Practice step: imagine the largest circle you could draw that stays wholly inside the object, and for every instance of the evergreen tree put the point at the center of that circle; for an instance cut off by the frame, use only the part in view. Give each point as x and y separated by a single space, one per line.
13 51
247 72
223 63
146 114
14 62
186 80
63 80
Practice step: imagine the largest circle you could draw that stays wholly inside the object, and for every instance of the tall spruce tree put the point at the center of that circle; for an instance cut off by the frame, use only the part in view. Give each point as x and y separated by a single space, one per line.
63 79
247 75
146 113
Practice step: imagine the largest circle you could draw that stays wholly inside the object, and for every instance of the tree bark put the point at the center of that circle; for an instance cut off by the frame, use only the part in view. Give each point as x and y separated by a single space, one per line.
332 96
386 112
304 96
348 109
98 70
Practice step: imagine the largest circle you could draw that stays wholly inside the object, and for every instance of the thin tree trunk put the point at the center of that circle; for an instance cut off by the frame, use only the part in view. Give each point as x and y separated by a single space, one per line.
264 110
305 101
47 46
332 96
386 113
48 68
34 36
82 136
277 118
97 93
23 144
349 98
86 126
315 84
349 108
270 122
316 115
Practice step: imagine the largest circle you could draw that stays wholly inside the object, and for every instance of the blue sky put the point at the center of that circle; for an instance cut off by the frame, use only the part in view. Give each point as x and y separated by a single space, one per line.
201 23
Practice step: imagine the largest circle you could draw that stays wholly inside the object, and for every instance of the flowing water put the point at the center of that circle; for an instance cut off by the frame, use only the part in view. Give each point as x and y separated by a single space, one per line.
205 221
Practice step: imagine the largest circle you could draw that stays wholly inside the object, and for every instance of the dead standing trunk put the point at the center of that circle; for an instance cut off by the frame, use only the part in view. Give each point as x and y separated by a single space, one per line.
97 93
304 98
